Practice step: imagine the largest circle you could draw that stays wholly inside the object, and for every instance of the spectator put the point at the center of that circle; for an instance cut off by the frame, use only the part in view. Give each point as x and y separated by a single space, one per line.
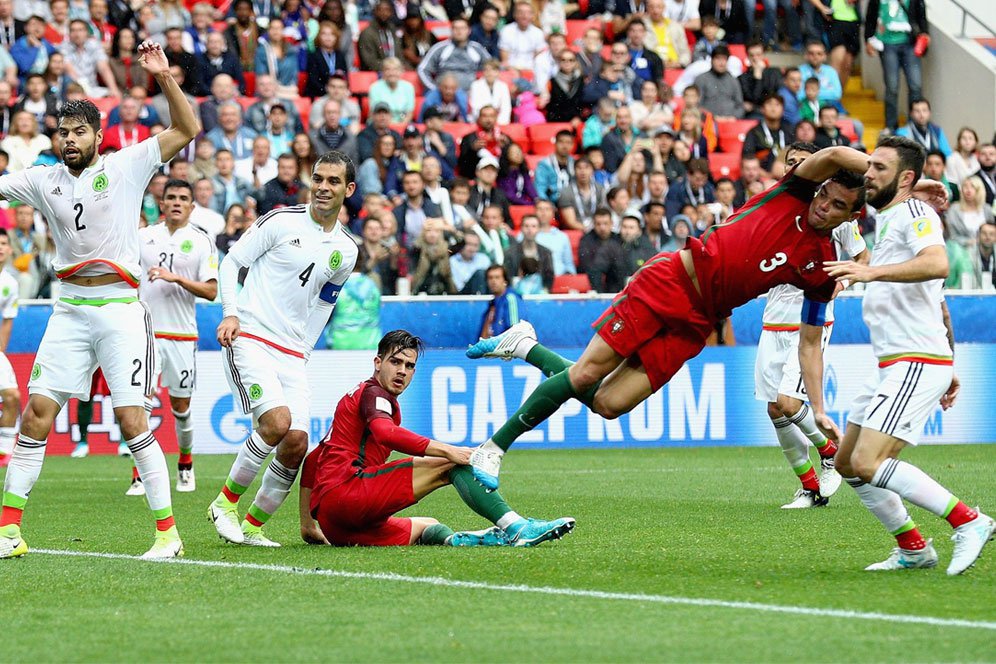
602 176
39 101
279 132
229 189
147 114
987 171
295 17
590 55
933 168
437 140
653 219
379 252
432 177
521 41
283 190
759 81
242 35
686 13
789 92
583 196
6 112
267 96
334 11
374 173
26 245
223 90
378 40
494 235
893 28
216 61
305 156
565 91
328 57
201 25
204 216
485 31
416 39
87 58
259 168
793 26
922 130
467 267
337 88
629 82
546 66
732 17
413 210
962 161
513 177
681 229
528 247
636 248
380 121
56 74
331 135
24 143
203 165
634 174
459 57
726 193
599 124
809 108
656 180
769 138
607 85
236 223
815 66
668 36
605 274
31 52
231 133
485 192
190 81
276 57
750 176
129 131
11 29
650 112
694 188
965 217
664 141
504 310
355 323
448 98
529 280
57 30
460 200
413 154
554 173
489 90
391 90
721 93
690 132
828 134
982 257
692 96
431 259
620 140
709 40
554 239
617 199
487 138
805 131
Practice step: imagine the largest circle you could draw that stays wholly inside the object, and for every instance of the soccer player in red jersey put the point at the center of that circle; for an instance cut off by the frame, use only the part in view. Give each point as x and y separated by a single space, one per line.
350 492
664 315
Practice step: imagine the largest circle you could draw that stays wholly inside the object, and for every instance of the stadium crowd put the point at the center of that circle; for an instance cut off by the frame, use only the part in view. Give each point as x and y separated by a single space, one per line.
566 141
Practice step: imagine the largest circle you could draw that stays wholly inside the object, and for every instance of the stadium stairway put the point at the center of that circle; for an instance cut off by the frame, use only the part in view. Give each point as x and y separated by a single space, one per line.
861 103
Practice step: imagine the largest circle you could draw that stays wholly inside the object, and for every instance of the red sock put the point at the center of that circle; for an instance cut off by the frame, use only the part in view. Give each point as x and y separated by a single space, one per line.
254 521
828 450
134 473
961 514
165 524
232 497
186 459
809 480
11 515
911 540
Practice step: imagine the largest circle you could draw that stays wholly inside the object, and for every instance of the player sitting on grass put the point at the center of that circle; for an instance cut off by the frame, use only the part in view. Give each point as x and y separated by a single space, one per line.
350 492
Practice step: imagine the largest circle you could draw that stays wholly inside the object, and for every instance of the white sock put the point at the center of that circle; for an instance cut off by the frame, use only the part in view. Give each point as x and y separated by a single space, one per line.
25 466
523 347
795 447
914 485
7 440
148 457
249 460
884 504
277 482
149 405
806 422
184 431
508 520
491 446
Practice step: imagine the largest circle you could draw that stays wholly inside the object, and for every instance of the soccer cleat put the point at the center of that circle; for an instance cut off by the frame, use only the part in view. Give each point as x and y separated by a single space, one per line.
830 479
123 450
530 532
185 481
969 538
503 345
901 559
806 498
485 462
226 522
167 545
81 451
12 545
136 488
253 536
490 537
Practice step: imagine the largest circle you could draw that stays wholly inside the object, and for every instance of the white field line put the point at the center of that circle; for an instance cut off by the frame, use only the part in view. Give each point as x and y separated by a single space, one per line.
548 590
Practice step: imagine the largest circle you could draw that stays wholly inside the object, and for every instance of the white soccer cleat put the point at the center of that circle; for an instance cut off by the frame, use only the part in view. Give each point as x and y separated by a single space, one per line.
165 546
226 522
81 451
505 345
137 488
12 545
969 538
123 450
255 537
485 462
805 499
185 481
901 559
830 479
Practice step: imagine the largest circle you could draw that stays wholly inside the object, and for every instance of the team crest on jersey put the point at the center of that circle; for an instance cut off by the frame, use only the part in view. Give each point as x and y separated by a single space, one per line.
35 372
186 246
6 291
100 183
255 391
617 327
921 227
335 260
213 262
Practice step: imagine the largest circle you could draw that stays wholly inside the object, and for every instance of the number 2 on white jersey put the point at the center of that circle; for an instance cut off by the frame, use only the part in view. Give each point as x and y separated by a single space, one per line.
770 264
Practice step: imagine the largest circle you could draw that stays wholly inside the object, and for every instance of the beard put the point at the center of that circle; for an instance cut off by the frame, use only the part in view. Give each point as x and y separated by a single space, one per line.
884 196
82 159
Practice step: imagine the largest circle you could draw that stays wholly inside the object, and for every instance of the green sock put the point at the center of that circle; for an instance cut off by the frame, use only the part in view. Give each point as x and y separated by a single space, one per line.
84 415
435 535
547 361
489 505
541 404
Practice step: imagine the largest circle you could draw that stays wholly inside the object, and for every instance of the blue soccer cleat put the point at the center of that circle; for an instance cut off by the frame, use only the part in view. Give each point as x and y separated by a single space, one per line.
504 345
491 537
530 532
485 463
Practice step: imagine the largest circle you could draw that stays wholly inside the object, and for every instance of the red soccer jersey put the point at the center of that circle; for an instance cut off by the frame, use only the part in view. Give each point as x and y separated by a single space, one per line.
766 243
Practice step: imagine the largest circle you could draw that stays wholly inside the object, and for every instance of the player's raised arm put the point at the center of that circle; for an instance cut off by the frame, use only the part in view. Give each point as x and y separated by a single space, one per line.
183 126
828 161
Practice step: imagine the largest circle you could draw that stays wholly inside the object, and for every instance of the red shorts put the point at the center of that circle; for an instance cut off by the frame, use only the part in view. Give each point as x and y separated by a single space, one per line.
360 511
658 318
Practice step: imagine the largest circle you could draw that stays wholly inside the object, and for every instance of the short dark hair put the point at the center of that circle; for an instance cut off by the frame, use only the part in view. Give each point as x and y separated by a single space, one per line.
911 154
459 182
653 204
498 266
790 70
80 21
854 182
3 233
565 132
602 211
816 42
936 153
398 340
803 146
921 100
774 96
338 157
722 180
827 107
177 183
82 109
698 165
757 42
811 79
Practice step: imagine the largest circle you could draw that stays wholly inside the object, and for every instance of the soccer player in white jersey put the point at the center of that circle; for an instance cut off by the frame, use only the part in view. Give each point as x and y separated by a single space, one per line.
912 337
298 259
93 205
778 377
8 381
179 264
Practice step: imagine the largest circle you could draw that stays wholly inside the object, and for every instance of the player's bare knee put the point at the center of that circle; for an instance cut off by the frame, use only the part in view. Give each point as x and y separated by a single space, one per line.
179 404
608 407
585 374
864 464
774 410
133 421
293 448
274 425
11 403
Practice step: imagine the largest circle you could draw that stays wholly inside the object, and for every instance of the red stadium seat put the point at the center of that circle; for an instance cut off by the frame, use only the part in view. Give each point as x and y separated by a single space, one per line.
574 236
724 165
302 82
360 81
671 76
518 212
577 27
105 105
364 108
571 283
245 102
543 136
458 129
532 161
846 126
250 78
303 106
740 51
517 133
412 77
733 133
441 29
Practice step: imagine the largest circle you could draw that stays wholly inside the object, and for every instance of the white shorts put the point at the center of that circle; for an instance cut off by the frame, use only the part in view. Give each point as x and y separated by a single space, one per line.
8 381
897 400
176 365
263 378
776 370
116 336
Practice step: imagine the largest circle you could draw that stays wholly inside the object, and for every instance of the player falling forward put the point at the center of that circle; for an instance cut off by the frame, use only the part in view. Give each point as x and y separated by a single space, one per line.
664 315
8 381
93 205
353 492
778 379
298 259
912 337
179 264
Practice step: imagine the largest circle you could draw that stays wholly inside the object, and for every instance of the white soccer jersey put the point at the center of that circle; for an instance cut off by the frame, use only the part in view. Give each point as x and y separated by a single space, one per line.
189 253
8 296
905 320
784 306
94 218
290 260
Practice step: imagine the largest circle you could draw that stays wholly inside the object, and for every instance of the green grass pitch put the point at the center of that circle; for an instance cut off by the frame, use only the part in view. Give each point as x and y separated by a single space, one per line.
682 524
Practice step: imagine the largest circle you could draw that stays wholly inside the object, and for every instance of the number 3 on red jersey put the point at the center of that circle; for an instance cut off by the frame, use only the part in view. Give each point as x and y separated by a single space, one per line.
771 264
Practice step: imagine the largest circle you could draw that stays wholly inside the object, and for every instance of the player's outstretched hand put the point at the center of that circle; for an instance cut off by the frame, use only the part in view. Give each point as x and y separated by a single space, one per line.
951 395
459 455
933 193
162 273
829 428
228 331
849 271
152 58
